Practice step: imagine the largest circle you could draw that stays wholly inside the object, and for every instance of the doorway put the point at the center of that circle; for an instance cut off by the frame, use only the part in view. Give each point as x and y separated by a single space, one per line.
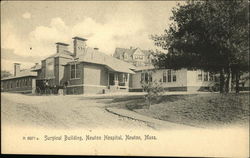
111 78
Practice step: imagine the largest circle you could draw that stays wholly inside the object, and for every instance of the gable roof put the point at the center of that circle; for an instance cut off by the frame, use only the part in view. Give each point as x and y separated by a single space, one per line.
122 51
114 64
22 73
36 67
65 54
129 51
147 67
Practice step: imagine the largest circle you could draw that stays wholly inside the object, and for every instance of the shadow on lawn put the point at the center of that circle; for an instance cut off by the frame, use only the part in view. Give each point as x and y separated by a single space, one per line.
138 102
194 109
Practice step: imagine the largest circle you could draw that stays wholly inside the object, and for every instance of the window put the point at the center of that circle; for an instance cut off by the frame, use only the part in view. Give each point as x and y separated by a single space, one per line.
200 76
77 71
150 77
164 76
142 76
206 76
11 85
146 76
26 82
74 71
169 75
17 83
29 81
211 76
174 76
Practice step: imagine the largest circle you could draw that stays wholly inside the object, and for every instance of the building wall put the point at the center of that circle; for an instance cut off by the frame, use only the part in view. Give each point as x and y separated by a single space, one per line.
194 84
181 78
185 80
22 85
95 78
41 73
76 81
157 75
75 89
75 85
139 58
95 75
59 69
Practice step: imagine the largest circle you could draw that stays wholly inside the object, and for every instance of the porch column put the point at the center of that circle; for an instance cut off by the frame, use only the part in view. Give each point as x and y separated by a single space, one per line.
33 86
127 80
108 78
116 79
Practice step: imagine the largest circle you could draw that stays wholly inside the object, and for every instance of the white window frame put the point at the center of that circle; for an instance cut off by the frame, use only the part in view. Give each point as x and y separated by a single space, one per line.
199 73
164 74
169 75
207 76
75 77
174 75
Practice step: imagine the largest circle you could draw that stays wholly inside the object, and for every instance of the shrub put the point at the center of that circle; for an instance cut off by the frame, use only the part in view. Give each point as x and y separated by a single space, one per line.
153 89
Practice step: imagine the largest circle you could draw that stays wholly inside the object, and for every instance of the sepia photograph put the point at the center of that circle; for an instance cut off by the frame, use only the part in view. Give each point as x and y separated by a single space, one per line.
127 78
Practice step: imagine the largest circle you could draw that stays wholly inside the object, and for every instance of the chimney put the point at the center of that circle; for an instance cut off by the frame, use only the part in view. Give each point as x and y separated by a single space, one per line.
16 69
36 65
60 47
79 46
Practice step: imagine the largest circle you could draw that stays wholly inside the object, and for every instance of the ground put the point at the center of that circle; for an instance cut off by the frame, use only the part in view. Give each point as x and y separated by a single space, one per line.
125 111
198 110
27 120
61 112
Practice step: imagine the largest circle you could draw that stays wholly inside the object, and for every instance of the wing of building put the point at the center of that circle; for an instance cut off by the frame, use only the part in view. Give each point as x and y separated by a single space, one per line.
23 81
85 70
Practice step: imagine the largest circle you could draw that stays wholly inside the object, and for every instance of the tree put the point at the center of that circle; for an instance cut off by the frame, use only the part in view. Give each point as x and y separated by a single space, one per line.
5 74
208 35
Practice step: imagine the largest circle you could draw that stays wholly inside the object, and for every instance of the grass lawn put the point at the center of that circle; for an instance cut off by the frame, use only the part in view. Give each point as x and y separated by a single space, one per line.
200 110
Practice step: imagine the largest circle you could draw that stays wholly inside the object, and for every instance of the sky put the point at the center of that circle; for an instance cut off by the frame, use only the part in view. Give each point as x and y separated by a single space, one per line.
29 30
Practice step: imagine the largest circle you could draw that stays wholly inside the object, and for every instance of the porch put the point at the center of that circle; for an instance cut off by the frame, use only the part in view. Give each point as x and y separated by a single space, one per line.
118 81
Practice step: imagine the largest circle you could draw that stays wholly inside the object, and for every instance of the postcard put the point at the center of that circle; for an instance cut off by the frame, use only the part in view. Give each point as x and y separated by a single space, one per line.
131 78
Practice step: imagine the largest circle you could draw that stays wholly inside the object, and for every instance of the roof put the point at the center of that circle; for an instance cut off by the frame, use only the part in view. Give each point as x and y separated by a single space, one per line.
36 67
65 54
129 51
22 73
79 38
97 57
141 68
64 44
122 51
